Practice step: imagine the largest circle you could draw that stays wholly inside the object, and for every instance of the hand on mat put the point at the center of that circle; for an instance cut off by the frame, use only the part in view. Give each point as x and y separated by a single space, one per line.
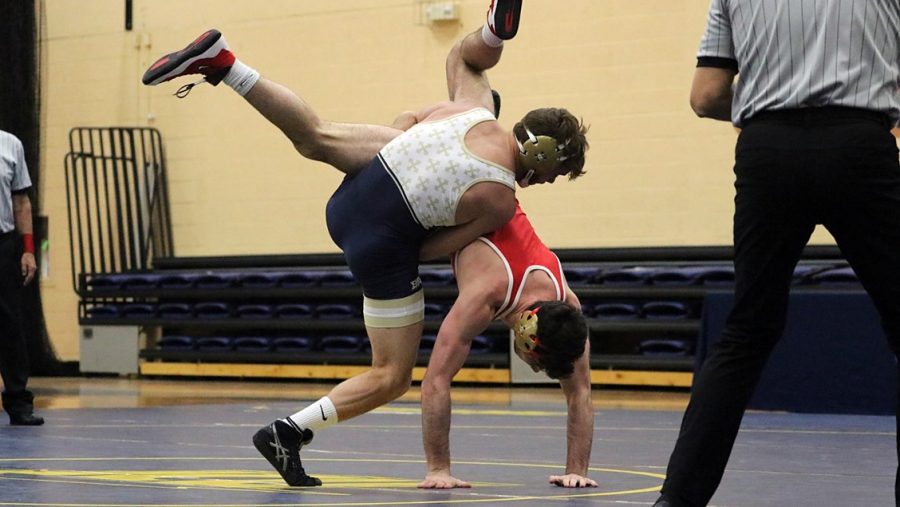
572 481
442 480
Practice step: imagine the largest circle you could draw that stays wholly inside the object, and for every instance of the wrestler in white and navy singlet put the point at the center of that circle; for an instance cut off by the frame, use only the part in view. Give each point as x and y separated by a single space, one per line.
381 215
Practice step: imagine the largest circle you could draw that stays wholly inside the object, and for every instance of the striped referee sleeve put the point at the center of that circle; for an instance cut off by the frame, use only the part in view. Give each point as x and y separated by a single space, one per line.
717 44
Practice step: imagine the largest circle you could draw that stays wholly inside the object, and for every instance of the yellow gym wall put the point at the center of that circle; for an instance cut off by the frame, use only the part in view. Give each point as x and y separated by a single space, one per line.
656 175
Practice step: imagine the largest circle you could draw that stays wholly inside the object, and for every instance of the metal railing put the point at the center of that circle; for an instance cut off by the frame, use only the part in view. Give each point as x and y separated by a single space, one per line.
118 202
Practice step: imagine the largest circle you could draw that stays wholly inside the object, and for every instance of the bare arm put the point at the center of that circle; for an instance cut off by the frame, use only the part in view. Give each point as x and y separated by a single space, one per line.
490 214
22 214
448 240
580 423
712 92
470 315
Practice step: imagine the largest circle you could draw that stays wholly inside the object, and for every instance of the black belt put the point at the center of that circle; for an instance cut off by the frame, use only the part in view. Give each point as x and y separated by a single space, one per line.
813 115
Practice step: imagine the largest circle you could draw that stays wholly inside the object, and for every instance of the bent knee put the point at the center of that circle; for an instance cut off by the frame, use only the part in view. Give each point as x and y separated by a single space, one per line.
311 150
401 385
313 144
392 383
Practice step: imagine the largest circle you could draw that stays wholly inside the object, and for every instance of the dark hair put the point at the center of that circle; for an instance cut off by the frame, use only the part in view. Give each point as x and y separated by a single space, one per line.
562 332
563 126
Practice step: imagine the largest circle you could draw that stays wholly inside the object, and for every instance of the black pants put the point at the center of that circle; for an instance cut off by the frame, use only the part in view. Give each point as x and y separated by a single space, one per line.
794 169
13 350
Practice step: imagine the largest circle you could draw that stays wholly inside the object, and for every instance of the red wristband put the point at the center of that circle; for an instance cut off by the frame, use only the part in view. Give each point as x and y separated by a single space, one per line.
28 243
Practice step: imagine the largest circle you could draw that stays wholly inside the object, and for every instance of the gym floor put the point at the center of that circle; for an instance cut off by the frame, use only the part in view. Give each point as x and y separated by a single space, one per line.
116 442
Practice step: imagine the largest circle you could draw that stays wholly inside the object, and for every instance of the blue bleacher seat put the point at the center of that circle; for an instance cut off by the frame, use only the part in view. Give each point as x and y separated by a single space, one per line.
212 310
175 311
803 273
177 280
427 342
637 275
675 275
665 347
139 282
212 280
612 310
435 276
481 344
293 344
255 311
435 311
252 344
105 283
176 342
214 343
717 275
580 275
298 279
293 311
836 275
107 311
138 311
662 310
260 280
335 311
122 281
341 343
342 278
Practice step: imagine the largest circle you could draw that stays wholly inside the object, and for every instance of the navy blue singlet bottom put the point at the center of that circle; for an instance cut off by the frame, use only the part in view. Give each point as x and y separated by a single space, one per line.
369 220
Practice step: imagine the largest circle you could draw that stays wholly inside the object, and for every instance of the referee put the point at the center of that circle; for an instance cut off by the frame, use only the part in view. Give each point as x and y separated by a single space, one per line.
15 271
816 99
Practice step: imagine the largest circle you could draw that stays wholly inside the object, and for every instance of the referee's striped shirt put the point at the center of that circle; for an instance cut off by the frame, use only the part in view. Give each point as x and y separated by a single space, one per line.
13 177
793 54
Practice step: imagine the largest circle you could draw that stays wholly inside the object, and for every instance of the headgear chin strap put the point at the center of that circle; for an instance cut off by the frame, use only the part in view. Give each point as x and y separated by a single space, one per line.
540 151
525 332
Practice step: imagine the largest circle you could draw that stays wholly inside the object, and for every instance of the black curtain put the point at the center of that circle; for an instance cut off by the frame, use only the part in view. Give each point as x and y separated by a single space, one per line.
20 115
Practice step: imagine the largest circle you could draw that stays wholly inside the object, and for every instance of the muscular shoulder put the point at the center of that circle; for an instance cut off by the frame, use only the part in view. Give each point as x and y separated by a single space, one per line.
446 108
480 270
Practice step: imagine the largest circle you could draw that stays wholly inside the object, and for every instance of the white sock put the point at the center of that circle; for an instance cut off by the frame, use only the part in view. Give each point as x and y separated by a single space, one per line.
241 77
317 416
489 38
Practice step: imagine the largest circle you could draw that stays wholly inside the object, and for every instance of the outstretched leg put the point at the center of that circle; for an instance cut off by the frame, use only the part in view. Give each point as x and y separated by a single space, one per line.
479 51
347 147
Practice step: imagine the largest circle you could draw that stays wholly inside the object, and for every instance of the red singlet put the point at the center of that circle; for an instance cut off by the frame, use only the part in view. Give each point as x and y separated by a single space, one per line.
522 252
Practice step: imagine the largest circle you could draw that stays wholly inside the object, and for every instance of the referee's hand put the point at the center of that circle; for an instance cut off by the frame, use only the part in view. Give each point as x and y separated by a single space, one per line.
29 267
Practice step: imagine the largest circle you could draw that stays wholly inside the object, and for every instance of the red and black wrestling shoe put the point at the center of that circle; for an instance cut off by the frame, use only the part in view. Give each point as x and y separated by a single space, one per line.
503 18
207 55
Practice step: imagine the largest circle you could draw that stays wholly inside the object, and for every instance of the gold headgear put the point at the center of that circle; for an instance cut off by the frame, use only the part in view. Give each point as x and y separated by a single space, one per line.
540 151
526 330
